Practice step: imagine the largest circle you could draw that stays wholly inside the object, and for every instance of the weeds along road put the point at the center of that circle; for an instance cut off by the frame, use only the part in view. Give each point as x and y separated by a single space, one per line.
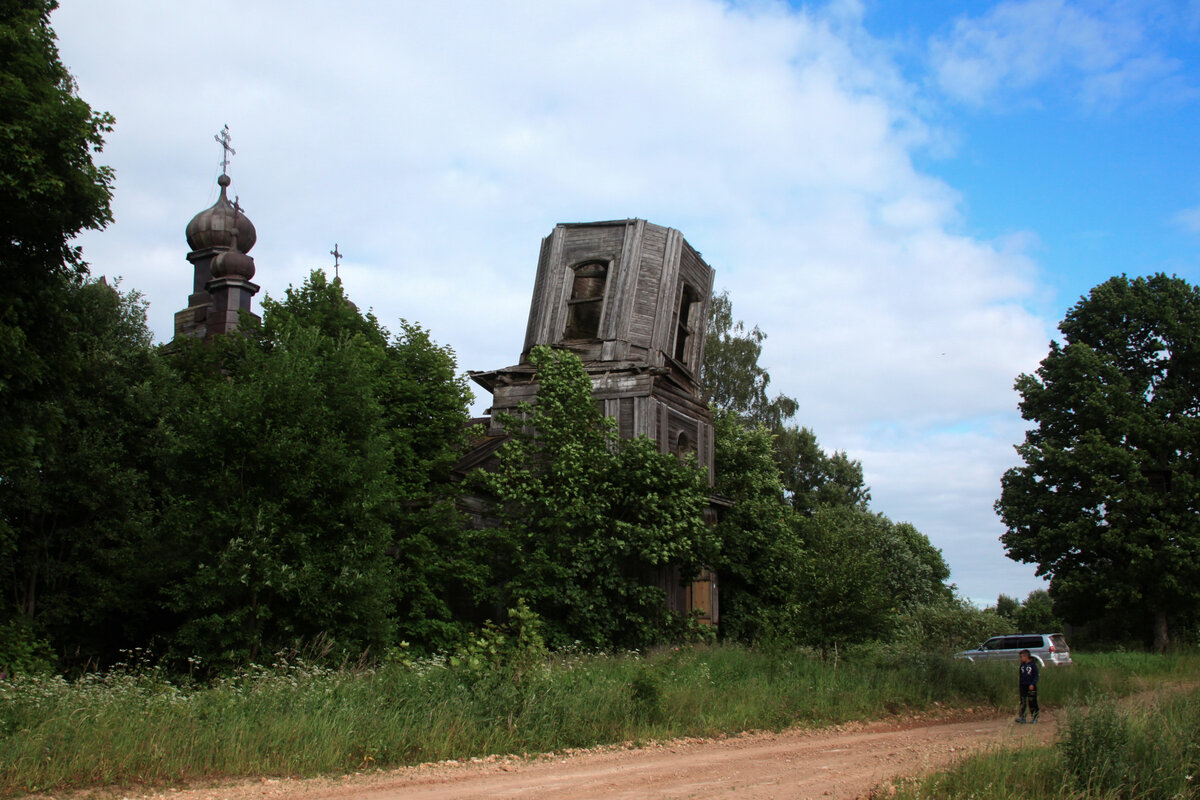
831 763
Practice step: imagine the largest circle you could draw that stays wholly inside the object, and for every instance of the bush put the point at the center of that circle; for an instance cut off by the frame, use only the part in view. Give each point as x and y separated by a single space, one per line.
21 652
1147 754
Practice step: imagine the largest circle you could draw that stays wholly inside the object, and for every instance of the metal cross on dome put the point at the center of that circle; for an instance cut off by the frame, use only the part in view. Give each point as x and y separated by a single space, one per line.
224 140
337 260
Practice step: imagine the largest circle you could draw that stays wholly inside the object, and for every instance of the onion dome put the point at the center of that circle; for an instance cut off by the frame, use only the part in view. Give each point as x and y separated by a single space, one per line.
234 263
213 227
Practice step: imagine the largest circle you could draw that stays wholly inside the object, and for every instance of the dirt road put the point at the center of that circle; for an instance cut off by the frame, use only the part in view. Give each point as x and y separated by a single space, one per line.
830 763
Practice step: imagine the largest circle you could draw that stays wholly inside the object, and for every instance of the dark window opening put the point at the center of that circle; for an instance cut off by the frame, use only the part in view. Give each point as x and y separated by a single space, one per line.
587 301
684 323
683 444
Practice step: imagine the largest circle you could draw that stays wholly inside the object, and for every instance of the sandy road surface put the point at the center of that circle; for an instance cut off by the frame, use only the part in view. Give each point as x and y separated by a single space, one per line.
839 763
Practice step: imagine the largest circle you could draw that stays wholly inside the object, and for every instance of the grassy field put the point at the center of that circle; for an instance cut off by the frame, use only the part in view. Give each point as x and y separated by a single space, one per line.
1146 748
134 726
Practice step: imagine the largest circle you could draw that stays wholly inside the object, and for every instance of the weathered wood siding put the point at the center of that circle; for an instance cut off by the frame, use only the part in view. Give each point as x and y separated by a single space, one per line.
650 271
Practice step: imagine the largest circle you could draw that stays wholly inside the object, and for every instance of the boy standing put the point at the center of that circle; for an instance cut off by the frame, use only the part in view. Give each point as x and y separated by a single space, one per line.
1029 679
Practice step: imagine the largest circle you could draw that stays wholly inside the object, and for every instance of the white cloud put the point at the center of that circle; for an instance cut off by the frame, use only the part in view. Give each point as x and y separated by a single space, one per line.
1097 53
437 143
1189 219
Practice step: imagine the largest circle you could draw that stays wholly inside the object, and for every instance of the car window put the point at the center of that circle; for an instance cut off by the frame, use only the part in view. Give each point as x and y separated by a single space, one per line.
1013 642
1031 642
1059 642
994 644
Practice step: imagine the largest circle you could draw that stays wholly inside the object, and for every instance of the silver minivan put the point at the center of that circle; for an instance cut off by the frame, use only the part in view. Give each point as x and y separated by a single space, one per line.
1045 648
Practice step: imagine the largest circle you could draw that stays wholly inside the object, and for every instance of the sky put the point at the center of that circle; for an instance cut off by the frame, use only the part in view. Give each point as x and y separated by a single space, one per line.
906 197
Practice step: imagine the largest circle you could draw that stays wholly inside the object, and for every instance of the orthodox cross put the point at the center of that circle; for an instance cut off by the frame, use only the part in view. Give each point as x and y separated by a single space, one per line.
337 259
224 140
237 209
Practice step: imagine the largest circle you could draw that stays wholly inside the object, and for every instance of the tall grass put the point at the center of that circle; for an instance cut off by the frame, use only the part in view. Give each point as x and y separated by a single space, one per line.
1141 749
137 726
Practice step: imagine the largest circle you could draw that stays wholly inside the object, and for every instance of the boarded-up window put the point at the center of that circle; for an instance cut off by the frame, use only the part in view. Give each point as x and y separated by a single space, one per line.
587 301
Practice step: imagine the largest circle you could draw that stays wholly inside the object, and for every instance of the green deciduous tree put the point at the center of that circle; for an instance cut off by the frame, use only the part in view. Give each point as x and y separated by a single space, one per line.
762 564
802 559
1008 607
1107 501
424 405
81 507
815 479
865 573
736 383
732 378
1036 614
310 485
589 523
50 190
280 495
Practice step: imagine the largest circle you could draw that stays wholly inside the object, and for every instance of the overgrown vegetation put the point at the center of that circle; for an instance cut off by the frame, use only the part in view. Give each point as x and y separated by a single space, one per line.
587 521
295 482
503 692
1107 749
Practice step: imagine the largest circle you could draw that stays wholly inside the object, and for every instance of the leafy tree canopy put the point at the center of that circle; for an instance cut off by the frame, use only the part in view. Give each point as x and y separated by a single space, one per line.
323 506
49 191
735 383
1107 501
815 479
590 524
733 379
49 188
762 564
81 505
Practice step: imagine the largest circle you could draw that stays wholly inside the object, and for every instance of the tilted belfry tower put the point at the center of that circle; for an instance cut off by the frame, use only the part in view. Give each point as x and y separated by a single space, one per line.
631 299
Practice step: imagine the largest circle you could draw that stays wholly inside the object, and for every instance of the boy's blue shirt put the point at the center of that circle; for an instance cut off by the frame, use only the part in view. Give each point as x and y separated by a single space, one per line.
1029 674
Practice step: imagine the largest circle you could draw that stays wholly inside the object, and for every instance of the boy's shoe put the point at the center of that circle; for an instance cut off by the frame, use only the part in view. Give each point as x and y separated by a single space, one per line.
1034 720
1021 720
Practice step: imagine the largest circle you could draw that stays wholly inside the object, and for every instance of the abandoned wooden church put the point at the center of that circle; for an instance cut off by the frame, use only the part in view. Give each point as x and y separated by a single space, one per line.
630 298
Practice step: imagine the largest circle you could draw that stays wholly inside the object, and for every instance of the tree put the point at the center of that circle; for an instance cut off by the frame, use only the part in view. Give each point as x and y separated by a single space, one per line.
736 383
866 573
1107 502
424 404
589 523
731 376
762 564
280 491
814 479
1008 607
847 599
311 487
1036 614
50 190
82 507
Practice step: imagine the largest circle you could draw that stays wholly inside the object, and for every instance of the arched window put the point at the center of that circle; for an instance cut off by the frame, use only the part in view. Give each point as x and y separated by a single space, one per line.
587 301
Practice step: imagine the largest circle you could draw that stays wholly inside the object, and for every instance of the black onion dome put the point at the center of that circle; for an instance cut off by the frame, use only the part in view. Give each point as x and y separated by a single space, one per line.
233 264
213 227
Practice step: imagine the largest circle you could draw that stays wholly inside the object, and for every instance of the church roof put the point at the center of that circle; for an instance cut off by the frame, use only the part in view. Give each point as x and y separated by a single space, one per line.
213 227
